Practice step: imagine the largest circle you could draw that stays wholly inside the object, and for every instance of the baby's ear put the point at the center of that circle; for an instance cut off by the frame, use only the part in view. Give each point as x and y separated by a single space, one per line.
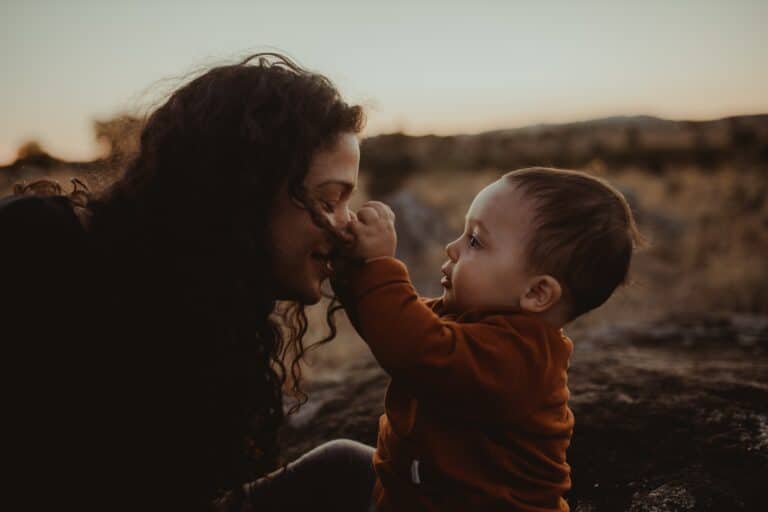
542 293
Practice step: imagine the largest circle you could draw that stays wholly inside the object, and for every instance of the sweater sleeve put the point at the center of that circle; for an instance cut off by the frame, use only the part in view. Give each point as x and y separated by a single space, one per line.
344 290
483 368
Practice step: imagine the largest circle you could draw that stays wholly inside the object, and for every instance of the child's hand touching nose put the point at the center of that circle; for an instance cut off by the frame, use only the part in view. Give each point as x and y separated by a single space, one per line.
374 231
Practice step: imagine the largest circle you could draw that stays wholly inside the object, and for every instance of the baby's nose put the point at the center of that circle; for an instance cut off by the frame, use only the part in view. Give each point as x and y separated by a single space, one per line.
450 250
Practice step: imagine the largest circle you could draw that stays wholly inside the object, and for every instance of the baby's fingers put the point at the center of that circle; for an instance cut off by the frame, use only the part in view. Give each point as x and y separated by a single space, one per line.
382 209
354 225
345 234
367 214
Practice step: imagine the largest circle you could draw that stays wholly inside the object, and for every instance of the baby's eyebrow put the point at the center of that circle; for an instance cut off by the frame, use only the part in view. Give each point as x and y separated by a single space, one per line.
478 223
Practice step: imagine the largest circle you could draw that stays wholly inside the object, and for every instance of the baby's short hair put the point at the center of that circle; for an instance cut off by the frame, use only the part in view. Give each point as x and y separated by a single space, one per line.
584 233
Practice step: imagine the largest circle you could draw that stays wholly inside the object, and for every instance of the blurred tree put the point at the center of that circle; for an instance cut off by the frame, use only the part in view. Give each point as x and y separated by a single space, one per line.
120 136
30 149
390 161
32 154
741 134
634 141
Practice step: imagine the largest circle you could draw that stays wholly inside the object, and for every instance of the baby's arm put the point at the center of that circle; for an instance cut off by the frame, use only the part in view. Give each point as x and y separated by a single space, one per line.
373 228
375 238
477 368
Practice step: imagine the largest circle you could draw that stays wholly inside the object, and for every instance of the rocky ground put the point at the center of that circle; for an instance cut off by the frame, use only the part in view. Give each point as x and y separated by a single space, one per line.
671 416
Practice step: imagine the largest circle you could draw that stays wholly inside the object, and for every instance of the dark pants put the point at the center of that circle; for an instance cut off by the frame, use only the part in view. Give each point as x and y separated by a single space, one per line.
337 476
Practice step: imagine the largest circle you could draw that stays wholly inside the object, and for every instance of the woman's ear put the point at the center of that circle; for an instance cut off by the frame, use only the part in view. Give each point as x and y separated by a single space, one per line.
543 293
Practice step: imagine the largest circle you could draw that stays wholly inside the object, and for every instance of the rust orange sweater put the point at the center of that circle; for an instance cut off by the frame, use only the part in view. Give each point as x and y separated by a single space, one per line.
479 400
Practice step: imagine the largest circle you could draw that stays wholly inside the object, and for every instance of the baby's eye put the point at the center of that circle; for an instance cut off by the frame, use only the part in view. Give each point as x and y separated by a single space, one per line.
327 206
473 241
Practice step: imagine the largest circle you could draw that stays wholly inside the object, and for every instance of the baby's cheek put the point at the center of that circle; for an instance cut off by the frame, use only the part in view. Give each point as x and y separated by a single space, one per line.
468 292
488 287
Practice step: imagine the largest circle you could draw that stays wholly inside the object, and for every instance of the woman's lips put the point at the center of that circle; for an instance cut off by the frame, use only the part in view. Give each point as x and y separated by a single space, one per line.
446 282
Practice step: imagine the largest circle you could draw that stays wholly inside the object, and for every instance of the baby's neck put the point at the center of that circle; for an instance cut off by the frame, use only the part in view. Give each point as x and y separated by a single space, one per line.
555 317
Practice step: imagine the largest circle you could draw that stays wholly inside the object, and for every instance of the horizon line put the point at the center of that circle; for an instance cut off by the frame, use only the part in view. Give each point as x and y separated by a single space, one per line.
437 133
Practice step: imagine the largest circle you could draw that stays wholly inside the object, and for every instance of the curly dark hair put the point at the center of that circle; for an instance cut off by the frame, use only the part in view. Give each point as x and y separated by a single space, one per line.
186 226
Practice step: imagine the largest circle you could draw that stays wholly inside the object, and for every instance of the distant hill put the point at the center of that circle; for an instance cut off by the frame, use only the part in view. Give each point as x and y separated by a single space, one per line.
647 142
604 121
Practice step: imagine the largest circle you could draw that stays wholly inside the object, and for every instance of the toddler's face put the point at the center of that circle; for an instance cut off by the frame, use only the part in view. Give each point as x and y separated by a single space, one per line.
487 267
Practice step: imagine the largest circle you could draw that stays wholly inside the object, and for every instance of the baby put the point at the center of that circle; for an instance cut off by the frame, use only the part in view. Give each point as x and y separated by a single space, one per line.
476 415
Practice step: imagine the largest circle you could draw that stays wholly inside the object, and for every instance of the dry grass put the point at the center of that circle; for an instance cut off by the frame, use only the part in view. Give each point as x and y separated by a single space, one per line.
706 227
707 247
716 253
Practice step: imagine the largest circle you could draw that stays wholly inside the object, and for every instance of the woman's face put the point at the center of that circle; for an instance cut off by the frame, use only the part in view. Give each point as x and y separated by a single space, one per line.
301 248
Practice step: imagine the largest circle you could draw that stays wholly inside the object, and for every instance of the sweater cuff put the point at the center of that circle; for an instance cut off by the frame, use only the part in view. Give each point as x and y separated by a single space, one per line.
374 274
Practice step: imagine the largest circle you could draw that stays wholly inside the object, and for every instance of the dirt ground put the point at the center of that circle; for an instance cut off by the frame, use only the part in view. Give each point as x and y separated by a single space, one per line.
670 416
669 379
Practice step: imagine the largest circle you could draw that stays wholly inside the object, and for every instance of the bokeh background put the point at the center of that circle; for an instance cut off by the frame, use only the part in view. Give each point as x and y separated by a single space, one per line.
665 99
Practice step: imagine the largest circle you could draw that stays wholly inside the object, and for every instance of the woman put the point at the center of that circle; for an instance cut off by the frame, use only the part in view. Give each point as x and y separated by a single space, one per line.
150 356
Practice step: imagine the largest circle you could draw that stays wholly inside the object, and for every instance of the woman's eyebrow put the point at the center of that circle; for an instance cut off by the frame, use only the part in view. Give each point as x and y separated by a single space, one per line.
348 185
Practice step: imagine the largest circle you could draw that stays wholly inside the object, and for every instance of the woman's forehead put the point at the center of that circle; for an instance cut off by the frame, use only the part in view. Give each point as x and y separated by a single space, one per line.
336 165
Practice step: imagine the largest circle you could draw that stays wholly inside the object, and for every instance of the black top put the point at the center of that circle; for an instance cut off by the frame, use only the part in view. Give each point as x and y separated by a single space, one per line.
104 405
48 402
42 249
42 260
82 408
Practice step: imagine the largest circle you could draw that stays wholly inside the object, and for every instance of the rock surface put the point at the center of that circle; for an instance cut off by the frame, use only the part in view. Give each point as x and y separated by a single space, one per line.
669 417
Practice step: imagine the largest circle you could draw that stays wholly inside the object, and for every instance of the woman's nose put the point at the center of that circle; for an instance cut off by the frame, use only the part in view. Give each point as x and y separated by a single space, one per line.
341 218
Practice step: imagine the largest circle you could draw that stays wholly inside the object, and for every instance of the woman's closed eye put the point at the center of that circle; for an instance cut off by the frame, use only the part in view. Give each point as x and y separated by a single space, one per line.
326 204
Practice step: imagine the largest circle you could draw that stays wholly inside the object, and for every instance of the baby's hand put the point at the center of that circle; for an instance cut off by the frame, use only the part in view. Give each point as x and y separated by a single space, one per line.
374 230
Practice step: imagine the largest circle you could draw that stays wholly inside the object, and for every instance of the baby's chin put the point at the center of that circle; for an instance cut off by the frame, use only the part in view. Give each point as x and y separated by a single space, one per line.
449 304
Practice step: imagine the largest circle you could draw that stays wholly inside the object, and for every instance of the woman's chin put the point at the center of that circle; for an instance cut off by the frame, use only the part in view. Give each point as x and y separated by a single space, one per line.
305 291
317 273
307 282
312 293
313 299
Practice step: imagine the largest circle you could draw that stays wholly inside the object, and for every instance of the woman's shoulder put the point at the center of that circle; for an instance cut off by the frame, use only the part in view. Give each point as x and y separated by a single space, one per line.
29 222
47 280
43 210
43 243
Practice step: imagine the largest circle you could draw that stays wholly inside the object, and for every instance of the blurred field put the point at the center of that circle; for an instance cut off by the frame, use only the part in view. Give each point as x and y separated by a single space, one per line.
706 253
698 189
668 379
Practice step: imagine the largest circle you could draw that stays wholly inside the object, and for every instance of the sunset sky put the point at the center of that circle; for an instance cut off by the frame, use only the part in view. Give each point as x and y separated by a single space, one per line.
435 66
